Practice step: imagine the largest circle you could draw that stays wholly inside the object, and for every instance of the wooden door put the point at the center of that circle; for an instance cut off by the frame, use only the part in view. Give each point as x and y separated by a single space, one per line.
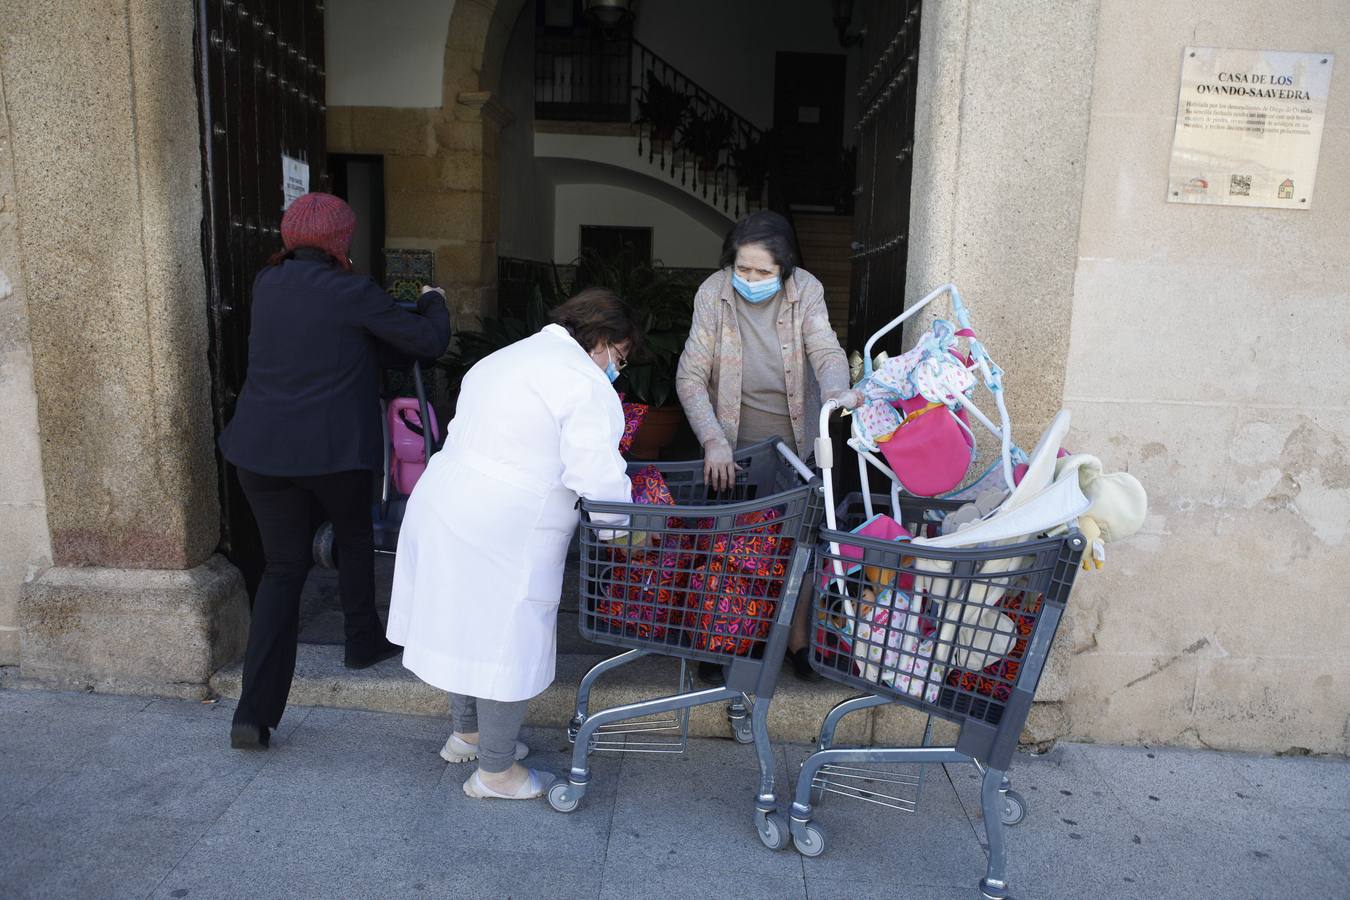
260 87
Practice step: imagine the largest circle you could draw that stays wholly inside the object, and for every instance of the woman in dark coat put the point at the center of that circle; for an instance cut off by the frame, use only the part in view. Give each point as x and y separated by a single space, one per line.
307 429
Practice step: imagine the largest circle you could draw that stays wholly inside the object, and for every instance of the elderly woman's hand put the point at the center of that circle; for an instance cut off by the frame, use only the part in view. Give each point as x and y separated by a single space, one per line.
719 468
847 399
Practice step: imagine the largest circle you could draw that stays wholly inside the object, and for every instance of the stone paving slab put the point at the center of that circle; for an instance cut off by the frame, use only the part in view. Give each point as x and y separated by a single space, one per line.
117 797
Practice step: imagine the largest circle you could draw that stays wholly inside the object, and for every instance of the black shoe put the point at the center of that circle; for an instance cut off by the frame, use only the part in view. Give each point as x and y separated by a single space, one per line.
712 673
801 664
383 650
247 736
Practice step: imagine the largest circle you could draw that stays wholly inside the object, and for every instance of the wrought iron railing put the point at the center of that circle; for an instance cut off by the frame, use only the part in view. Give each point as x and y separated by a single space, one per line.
583 78
681 128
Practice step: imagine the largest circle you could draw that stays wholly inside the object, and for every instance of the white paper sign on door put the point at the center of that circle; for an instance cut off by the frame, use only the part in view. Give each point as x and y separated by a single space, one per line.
1249 127
294 180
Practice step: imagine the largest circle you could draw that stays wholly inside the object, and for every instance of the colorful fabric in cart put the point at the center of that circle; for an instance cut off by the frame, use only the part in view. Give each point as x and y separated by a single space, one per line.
713 591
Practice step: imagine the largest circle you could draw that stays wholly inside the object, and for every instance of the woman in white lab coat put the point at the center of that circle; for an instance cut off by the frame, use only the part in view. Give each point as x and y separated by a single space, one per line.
483 543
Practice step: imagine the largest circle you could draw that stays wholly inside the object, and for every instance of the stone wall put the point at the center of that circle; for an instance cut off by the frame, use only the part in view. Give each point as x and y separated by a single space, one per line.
1207 357
25 546
1198 347
102 112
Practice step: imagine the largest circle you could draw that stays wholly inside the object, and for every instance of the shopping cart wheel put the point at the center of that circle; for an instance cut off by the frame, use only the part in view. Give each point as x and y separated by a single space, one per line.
740 730
564 796
773 831
809 840
1014 808
323 547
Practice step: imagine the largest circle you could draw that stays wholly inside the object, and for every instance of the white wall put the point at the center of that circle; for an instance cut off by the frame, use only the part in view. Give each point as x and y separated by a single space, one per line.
386 52
677 238
1208 357
729 47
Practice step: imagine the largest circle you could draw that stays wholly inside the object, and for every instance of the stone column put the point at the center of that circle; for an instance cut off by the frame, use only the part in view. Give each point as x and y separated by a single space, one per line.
25 546
103 115
1000 145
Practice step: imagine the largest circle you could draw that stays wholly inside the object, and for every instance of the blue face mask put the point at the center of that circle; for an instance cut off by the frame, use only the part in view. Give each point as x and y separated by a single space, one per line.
611 370
755 291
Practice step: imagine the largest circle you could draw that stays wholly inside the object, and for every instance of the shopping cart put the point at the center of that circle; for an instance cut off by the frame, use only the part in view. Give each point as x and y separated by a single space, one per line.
716 580
957 626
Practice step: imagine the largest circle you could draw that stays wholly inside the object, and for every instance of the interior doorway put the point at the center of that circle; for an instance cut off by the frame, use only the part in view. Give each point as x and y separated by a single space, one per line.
808 122
358 178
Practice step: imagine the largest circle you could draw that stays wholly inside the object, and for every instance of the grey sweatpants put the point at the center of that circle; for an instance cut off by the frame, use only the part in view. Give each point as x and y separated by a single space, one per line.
498 726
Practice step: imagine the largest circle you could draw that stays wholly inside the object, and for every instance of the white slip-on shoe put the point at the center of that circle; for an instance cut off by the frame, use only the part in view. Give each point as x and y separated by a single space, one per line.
458 751
536 783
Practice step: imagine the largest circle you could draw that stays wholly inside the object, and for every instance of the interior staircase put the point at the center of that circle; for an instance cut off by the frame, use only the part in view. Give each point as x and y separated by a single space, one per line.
825 242
594 87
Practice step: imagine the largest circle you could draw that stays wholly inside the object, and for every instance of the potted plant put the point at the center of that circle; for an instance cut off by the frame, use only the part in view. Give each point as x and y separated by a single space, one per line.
661 108
704 136
666 304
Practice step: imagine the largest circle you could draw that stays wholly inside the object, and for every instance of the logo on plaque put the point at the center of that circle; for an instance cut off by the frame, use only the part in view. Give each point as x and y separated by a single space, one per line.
1287 189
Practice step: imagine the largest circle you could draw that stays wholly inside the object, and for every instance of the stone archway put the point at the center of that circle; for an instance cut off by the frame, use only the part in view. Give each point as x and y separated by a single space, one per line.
442 165
467 141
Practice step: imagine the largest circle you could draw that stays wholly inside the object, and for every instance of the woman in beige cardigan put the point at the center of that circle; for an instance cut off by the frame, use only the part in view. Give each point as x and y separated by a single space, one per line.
760 356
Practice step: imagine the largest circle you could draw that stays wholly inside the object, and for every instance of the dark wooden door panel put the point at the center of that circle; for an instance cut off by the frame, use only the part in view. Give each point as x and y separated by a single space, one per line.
885 167
260 86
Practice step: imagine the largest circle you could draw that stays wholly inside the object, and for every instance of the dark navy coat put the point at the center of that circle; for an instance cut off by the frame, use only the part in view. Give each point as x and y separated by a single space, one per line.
310 402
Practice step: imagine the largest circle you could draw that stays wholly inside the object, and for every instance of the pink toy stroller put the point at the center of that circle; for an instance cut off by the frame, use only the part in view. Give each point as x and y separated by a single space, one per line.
408 446
406 422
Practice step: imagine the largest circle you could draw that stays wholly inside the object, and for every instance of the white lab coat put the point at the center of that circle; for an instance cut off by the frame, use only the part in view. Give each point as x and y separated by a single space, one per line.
483 543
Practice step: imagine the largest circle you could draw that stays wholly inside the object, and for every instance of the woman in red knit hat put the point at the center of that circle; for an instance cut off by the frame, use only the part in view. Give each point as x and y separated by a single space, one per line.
306 429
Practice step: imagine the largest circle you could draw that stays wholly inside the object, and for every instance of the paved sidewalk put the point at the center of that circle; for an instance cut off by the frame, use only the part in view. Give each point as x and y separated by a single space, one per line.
105 796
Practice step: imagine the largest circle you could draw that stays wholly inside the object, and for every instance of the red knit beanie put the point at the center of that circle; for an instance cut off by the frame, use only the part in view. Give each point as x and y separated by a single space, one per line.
319 220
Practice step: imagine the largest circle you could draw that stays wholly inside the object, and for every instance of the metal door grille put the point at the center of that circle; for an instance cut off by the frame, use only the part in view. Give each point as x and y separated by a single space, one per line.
885 166
260 87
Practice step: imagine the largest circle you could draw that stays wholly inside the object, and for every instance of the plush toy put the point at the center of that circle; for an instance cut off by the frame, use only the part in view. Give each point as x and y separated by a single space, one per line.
1119 504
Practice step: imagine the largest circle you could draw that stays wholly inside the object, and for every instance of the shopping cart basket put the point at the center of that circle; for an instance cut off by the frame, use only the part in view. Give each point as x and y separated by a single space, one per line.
715 580
960 634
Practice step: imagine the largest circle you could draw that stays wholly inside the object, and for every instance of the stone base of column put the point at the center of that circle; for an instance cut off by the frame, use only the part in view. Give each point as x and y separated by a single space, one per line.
132 631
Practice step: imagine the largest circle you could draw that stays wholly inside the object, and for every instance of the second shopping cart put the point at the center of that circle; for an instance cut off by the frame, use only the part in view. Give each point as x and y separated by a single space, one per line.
702 577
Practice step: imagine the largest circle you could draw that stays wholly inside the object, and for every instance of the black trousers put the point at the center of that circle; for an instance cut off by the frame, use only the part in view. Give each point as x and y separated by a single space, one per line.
281 507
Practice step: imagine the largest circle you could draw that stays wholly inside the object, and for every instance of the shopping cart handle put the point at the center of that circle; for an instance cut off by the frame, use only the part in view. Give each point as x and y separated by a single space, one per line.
795 461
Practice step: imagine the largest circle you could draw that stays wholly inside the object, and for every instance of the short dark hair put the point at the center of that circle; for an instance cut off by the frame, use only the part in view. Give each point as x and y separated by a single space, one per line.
770 230
599 316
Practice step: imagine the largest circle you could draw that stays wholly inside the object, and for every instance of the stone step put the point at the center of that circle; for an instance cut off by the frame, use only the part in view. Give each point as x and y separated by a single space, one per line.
795 713
321 679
